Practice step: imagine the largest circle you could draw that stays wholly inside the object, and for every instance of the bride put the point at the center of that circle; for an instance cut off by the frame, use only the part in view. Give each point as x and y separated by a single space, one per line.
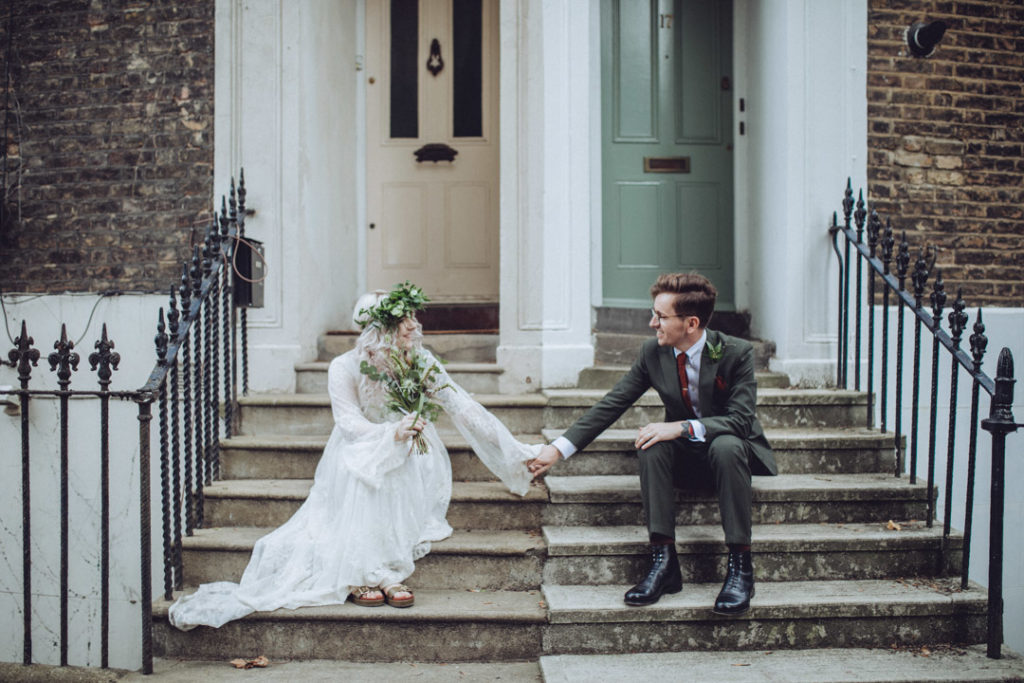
381 488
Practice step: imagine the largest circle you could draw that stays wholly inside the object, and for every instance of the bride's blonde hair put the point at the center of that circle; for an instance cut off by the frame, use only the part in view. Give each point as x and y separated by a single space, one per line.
373 340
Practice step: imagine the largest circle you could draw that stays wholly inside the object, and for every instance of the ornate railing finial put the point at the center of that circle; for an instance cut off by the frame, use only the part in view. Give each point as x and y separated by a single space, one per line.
979 342
938 299
874 228
104 360
23 356
859 215
903 260
64 359
957 317
847 202
160 340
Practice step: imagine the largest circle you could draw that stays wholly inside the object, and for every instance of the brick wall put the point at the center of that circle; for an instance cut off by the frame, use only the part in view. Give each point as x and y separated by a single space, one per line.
945 140
109 122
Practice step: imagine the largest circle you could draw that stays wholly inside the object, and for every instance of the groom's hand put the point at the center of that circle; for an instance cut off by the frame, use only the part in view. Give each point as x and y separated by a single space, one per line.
540 465
658 431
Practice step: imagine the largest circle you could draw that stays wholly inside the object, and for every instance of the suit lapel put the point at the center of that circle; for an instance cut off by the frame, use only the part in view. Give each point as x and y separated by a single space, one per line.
670 372
708 370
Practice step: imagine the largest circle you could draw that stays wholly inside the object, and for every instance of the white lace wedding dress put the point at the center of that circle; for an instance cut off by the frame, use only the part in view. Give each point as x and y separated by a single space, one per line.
373 510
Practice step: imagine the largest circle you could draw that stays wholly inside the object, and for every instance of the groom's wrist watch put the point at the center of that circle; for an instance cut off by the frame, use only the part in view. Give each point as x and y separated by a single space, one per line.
687 429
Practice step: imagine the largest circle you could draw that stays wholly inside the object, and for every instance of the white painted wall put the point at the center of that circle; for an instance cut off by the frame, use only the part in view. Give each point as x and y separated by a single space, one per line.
1003 327
546 143
804 74
289 110
131 321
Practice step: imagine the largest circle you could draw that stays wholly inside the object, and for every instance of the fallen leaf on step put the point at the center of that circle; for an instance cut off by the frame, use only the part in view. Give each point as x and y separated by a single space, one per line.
893 526
260 662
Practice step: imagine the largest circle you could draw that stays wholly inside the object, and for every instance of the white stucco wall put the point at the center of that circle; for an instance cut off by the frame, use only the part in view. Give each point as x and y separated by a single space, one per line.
289 111
131 324
804 72
1004 328
546 144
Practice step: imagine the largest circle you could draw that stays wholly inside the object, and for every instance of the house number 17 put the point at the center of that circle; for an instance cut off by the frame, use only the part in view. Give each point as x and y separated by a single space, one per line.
665 20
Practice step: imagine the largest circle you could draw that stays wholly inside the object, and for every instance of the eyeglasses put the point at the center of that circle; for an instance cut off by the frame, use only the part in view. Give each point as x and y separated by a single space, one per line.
660 317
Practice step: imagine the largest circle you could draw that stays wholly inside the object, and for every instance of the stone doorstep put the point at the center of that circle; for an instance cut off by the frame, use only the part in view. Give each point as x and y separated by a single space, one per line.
491 560
473 377
780 488
828 665
783 552
786 600
270 502
571 541
604 377
444 625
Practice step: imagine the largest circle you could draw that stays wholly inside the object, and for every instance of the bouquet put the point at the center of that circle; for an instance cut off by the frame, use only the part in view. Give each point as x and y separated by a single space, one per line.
410 380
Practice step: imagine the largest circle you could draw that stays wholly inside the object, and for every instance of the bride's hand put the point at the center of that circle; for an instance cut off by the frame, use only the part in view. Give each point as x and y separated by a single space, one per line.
409 426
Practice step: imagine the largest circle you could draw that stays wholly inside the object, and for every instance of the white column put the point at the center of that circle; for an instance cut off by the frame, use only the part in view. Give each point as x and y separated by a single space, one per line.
806 132
546 102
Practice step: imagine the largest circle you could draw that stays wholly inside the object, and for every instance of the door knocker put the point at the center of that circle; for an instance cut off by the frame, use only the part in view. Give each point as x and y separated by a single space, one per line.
434 62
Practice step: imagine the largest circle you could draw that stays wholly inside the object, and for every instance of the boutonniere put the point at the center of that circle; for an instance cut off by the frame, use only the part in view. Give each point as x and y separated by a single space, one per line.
715 351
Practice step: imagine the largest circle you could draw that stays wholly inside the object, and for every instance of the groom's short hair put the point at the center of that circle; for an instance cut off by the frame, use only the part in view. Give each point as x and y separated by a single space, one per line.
695 295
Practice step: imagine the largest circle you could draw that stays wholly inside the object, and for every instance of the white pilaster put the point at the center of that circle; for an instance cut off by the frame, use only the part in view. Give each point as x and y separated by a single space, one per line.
545 193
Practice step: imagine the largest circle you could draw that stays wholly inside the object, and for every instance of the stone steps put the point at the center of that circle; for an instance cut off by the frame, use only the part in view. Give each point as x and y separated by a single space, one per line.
599 555
451 346
476 378
790 614
967 664
614 500
444 626
271 502
605 376
304 414
797 451
296 457
509 560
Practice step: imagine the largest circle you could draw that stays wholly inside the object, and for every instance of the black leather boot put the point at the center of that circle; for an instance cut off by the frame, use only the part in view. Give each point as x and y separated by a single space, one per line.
738 588
663 577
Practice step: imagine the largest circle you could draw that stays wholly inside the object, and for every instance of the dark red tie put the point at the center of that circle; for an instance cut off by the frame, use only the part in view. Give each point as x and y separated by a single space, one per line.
684 381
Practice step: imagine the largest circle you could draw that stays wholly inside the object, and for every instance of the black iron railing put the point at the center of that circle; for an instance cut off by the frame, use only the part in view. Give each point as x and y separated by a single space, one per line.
194 341
873 258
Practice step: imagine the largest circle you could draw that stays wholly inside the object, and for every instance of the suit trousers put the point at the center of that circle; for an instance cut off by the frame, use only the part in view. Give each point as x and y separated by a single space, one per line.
721 466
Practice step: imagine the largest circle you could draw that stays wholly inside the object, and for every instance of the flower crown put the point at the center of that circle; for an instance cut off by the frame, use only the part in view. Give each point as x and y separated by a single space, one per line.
400 303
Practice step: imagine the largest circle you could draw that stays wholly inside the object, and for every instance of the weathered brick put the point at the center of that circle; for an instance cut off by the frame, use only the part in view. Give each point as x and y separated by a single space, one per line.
112 178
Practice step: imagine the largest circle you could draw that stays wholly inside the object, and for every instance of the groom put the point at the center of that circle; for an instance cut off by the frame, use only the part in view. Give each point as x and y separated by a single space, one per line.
710 438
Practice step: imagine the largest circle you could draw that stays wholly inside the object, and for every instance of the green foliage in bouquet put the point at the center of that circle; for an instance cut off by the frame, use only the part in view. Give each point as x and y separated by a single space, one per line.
410 380
401 302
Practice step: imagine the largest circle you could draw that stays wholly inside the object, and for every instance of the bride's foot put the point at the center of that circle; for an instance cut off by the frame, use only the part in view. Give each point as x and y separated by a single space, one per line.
368 596
399 595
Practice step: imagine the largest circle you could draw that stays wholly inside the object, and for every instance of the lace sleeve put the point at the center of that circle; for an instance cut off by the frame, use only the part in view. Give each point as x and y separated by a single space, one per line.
368 448
493 443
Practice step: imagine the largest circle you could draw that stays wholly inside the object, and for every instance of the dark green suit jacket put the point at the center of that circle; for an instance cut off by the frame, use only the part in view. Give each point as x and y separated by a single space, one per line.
727 394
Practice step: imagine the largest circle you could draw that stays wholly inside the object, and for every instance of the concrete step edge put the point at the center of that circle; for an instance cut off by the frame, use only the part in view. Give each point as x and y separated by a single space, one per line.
783 487
773 600
778 437
506 543
823 665
571 541
298 490
451 367
432 606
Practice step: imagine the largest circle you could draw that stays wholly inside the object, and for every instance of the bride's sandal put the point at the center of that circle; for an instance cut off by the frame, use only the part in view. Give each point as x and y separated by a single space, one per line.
391 591
368 596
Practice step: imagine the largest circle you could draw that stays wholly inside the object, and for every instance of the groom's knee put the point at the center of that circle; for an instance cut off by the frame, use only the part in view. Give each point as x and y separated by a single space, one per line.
728 455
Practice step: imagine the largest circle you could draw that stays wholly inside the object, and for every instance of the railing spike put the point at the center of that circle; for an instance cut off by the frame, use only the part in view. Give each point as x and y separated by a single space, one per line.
887 245
160 340
104 360
979 342
24 356
185 291
63 359
847 201
938 299
172 315
957 317
859 214
874 228
903 260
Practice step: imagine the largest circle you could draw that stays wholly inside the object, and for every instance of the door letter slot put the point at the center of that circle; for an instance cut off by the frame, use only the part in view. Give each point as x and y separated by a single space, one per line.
666 164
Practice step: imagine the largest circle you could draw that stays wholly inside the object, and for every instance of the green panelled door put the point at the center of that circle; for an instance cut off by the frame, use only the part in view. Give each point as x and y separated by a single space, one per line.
667 183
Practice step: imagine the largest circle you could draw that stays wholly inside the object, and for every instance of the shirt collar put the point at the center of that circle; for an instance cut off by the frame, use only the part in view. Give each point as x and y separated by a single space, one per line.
693 353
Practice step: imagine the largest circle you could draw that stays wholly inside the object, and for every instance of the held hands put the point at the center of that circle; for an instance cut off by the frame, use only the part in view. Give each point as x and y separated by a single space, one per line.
540 465
409 426
659 431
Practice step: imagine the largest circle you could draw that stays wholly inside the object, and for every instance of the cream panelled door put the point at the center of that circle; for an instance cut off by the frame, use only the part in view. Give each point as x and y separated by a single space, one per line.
432 90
